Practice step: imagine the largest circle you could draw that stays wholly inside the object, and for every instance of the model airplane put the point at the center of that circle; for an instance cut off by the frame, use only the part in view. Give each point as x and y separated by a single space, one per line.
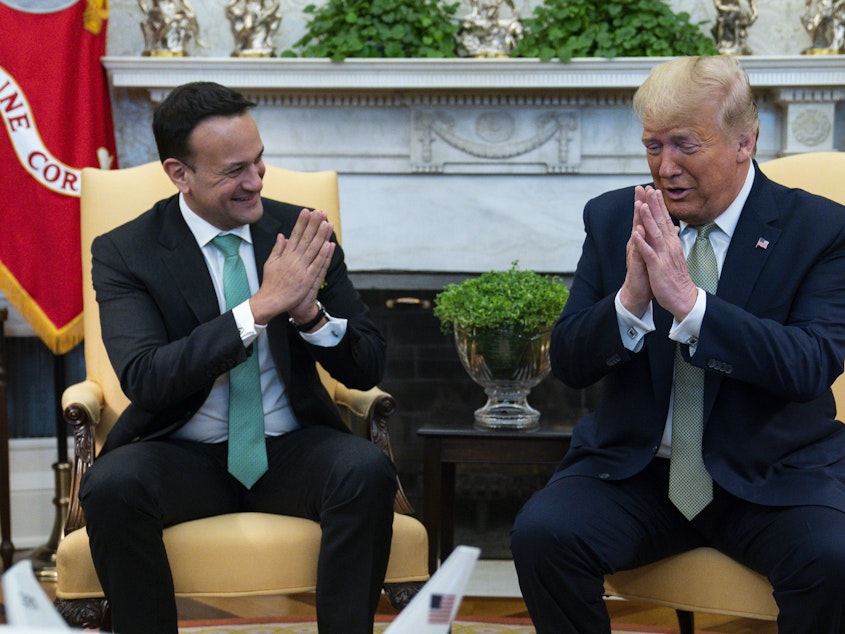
436 604
28 608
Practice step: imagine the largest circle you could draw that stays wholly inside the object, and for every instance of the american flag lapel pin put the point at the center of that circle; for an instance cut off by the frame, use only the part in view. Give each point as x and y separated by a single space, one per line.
762 243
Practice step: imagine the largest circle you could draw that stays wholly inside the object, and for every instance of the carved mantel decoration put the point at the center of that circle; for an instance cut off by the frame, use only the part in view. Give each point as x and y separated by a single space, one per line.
425 144
454 100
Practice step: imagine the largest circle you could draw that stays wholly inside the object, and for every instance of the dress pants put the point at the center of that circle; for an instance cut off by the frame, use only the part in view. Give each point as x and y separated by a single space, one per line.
577 529
342 481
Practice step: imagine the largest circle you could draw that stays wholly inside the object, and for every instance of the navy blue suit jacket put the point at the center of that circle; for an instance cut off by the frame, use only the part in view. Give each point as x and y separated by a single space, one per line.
168 342
772 341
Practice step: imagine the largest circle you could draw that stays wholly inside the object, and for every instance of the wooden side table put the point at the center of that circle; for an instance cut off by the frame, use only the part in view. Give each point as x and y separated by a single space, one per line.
446 445
7 549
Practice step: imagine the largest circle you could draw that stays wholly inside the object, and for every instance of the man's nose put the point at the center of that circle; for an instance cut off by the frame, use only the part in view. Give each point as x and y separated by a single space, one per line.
254 178
668 165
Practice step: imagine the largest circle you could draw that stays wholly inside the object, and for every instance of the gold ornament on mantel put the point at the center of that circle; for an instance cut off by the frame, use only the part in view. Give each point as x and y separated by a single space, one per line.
485 34
254 22
826 26
731 29
169 26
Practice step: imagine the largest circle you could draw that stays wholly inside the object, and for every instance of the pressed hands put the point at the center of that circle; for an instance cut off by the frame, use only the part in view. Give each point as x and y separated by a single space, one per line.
656 266
295 271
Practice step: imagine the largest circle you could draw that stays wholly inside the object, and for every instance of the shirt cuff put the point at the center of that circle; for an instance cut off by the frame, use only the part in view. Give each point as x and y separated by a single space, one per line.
633 329
329 335
687 330
245 322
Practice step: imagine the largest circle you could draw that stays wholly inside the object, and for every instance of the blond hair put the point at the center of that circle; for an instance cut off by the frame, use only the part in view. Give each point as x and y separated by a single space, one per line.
675 90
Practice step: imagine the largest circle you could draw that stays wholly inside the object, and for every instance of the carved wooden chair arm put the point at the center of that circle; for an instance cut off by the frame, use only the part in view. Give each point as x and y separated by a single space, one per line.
82 404
368 414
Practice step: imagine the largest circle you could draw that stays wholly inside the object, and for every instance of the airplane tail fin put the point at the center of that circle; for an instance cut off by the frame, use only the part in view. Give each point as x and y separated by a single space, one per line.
26 603
436 604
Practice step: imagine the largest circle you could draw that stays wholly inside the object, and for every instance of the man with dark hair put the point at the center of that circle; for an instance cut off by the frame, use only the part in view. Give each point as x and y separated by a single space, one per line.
711 305
215 306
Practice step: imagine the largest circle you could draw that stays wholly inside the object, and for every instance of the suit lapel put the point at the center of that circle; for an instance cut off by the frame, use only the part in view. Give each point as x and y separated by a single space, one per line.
184 261
755 237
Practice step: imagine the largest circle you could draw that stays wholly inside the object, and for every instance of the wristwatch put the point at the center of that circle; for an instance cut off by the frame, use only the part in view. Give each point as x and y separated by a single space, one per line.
309 325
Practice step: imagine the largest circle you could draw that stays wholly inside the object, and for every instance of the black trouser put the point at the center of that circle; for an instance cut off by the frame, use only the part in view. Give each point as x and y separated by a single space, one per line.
342 481
577 529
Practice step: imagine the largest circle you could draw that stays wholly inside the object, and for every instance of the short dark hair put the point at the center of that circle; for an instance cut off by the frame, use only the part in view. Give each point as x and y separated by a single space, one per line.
185 107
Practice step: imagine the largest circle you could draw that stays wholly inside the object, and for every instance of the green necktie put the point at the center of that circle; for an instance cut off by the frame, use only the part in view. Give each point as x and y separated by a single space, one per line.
247 449
690 485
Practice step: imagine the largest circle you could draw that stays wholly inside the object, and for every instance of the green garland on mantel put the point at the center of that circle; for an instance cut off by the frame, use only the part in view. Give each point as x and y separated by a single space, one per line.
565 29
379 28
560 29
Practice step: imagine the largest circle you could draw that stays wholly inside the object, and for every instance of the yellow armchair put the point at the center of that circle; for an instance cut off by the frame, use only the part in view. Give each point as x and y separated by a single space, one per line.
239 554
705 580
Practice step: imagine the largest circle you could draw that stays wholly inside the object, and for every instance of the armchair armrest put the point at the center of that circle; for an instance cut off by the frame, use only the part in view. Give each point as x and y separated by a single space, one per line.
367 413
82 404
87 396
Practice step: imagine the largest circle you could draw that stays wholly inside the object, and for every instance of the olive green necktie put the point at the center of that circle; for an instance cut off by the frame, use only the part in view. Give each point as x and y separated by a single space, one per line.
690 485
247 457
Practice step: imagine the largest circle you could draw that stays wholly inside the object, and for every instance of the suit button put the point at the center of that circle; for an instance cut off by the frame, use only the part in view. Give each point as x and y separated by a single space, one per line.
728 368
613 360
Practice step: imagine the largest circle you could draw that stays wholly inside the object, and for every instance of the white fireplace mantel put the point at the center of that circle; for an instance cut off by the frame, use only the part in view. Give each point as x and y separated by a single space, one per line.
448 74
482 161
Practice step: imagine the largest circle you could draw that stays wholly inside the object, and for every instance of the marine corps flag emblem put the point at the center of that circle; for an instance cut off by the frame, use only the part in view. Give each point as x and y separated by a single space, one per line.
56 116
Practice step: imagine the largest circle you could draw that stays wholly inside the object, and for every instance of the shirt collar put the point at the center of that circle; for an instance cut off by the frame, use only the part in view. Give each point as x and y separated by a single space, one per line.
204 232
729 218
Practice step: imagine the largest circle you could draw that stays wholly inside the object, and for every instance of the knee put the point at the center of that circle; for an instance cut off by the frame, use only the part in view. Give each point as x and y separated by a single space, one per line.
828 566
107 493
370 474
817 566
535 536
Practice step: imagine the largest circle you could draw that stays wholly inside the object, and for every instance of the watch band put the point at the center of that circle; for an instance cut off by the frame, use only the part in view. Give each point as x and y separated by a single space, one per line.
321 312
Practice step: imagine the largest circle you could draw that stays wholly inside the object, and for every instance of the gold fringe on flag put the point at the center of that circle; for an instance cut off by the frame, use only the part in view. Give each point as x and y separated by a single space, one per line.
58 340
96 12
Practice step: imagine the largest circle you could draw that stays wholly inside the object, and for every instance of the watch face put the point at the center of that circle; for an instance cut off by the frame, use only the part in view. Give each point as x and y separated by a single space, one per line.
39 6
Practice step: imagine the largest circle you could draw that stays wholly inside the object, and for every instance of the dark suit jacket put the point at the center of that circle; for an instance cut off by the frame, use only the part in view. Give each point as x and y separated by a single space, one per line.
772 341
168 342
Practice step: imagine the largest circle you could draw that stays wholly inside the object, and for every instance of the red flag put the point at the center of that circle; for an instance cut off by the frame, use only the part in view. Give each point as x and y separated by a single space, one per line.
55 107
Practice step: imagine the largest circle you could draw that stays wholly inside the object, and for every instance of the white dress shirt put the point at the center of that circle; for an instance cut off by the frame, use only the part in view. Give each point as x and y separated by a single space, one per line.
211 421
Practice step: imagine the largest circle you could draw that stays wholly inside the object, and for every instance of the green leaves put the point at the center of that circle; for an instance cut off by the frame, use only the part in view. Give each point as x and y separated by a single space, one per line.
518 300
379 28
560 29
610 28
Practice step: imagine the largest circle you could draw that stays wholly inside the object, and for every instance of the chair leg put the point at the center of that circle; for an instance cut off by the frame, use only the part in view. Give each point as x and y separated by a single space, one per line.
686 621
85 613
400 594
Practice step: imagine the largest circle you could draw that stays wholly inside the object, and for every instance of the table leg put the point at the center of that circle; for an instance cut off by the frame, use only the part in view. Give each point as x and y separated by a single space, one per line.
432 499
447 509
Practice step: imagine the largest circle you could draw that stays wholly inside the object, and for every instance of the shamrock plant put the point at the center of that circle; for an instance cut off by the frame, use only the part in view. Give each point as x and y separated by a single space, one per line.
523 301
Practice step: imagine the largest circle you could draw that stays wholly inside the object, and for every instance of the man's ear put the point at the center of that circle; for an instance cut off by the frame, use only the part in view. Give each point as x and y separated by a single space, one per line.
747 146
178 173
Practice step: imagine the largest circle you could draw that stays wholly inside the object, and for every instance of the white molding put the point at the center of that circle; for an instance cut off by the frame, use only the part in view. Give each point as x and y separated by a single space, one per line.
279 74
32 489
